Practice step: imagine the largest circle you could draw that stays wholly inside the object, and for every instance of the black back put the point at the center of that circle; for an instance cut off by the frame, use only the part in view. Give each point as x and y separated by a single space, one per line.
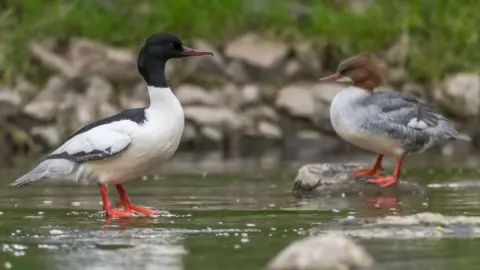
136 115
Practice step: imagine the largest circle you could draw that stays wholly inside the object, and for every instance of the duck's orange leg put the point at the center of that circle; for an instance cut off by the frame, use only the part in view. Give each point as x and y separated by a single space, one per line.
375 170
107 207
128 206
385 181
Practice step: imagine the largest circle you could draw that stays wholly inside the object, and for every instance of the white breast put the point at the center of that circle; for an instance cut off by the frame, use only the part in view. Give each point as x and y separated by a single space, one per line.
154 141
347 117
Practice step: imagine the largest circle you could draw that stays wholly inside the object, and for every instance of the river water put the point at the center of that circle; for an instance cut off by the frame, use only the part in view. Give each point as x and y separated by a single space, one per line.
223 219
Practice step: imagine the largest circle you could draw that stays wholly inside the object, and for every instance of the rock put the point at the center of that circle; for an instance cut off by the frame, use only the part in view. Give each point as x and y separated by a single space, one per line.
262 112
251 94
208 116
204 65
52 61
106 109
308 100
308 58
296 100
189 133
359 6
138 97
212 133
85 111
323 252
49 134
99 89
397 75
292 69
397 53
189 94
269 130
45 105
235 70
308 135
257 51
229 96
10 102
24 88
428 219
461 94
91 58
421 225
332 179
325 92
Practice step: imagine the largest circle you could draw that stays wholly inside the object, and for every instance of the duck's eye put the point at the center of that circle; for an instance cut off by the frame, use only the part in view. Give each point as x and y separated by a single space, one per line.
346 69
171 44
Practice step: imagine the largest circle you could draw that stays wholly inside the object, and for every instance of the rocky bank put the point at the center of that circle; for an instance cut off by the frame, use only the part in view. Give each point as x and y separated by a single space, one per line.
256 92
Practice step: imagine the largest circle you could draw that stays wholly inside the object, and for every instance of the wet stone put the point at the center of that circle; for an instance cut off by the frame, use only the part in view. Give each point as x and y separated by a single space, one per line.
323 252
420 225
332 179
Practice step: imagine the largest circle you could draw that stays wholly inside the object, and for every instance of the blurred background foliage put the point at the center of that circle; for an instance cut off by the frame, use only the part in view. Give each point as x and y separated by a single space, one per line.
442 34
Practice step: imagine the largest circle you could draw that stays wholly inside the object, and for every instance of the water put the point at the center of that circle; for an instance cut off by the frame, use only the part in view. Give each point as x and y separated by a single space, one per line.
219 221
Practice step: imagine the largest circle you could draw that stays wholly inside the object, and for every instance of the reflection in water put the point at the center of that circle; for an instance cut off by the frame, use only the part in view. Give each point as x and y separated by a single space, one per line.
121 249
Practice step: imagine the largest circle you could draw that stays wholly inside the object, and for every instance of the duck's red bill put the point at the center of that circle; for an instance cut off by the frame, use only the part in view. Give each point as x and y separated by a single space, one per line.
332 77
191 52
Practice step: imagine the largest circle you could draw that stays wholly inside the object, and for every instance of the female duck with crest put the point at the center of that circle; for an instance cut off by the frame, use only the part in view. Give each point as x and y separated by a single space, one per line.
387 123
129 144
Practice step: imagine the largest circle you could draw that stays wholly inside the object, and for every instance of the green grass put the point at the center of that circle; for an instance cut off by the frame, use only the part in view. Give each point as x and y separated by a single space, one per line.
443 35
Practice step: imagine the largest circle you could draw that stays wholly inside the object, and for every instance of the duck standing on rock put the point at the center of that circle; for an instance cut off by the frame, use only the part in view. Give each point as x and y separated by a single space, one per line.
129 144
387 123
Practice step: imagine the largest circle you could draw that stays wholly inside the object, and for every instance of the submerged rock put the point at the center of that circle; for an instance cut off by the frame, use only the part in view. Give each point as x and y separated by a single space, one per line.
428 219
421 225
332 179
323 252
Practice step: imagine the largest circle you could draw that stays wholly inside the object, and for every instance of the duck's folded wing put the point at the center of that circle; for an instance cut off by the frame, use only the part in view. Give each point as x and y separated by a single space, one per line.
402 109
95 144
402 117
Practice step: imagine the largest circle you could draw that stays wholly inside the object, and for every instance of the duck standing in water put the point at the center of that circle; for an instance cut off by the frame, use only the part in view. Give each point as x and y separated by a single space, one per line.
387 123
129 144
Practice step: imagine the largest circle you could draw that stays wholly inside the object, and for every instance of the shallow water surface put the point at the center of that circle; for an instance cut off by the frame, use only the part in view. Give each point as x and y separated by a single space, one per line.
219 221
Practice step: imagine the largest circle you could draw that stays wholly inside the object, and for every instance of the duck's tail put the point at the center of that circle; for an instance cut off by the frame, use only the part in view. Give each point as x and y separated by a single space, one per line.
50 168
464 137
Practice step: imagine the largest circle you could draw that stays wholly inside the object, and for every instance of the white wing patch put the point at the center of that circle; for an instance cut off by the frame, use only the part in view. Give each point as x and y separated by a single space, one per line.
415 123
98 143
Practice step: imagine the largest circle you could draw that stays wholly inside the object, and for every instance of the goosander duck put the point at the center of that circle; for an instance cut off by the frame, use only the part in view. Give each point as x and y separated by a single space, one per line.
387 123
129 144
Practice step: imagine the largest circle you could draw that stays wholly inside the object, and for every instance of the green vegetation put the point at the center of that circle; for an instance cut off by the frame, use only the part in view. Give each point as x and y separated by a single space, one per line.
443 35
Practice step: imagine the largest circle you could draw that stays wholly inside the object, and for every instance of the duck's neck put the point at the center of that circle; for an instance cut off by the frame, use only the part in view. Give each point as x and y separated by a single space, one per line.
153 71
352 95
162 98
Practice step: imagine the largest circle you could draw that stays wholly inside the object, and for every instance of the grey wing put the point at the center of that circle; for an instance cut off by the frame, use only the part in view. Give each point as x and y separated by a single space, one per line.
402 117
403 109
95 144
